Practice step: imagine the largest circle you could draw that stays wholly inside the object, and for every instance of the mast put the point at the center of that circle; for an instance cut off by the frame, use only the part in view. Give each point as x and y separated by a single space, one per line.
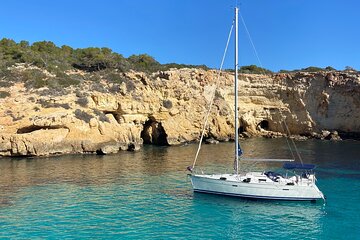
236 92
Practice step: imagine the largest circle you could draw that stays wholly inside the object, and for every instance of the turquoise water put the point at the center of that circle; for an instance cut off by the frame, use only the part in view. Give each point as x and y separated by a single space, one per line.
147 195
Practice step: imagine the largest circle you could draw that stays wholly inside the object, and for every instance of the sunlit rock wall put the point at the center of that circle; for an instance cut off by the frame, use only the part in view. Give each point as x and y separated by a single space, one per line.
168 108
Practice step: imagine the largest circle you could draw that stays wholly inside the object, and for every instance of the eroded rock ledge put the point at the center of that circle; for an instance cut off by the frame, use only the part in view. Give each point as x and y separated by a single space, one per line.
167 108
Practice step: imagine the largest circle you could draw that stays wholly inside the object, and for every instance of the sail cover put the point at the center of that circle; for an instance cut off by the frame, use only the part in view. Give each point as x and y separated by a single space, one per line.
298 166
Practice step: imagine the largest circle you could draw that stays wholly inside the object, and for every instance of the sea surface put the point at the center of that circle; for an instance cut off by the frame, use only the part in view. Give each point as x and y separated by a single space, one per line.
148 195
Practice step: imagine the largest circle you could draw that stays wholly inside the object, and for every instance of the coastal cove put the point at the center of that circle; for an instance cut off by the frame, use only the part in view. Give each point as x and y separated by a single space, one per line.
147 194
119 120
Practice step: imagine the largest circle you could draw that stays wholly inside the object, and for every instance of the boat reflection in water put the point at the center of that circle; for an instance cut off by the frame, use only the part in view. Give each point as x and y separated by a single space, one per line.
264 217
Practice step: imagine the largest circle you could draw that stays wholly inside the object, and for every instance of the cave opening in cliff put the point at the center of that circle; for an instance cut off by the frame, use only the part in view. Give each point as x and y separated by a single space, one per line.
241 129
116 115
264 124
32 128
154 133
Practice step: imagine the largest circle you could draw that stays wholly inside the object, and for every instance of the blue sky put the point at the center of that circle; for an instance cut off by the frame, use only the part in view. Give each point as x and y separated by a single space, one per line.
288 34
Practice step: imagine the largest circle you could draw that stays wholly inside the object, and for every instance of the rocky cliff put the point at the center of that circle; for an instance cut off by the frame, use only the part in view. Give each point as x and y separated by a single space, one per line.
168 108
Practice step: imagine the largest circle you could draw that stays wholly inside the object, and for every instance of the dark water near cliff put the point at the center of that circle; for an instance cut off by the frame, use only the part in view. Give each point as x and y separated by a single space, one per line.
148 195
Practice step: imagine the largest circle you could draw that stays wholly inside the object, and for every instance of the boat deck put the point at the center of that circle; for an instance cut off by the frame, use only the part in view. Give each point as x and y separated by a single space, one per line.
263 177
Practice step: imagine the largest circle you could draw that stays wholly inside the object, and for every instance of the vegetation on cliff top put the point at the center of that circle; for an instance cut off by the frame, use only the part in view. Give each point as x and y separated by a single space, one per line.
309 69
48 56
48 65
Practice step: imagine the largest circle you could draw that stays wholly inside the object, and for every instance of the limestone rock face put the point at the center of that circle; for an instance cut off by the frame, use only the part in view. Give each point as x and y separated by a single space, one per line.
168 108
34 143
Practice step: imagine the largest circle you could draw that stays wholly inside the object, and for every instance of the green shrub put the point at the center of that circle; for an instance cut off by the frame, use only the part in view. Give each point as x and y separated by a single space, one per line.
350 69
5 84
53 91
168 66
4 94
94 77
114 77
64 105
309 69
101 115
34 78
329 68
145 63
67 82
98 87
253 69
96 59
50 104
82 115
7 77
312 69
117 78
81 94
114 88
83 101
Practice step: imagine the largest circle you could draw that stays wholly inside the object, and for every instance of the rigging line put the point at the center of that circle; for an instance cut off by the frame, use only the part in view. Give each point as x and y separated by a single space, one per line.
281 115
286 138
282 123
213 95
251 41
287 131
292 140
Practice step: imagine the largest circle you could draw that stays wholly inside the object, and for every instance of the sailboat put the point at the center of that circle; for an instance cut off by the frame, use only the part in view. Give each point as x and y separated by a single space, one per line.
300 185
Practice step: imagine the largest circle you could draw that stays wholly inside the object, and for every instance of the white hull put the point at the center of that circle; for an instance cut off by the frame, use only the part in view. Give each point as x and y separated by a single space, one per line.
233 185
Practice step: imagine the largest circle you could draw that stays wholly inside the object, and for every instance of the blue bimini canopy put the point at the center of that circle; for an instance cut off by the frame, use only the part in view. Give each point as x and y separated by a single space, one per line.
298 166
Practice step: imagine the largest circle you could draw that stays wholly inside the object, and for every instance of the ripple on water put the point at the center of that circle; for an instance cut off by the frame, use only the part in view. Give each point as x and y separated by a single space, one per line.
148 195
